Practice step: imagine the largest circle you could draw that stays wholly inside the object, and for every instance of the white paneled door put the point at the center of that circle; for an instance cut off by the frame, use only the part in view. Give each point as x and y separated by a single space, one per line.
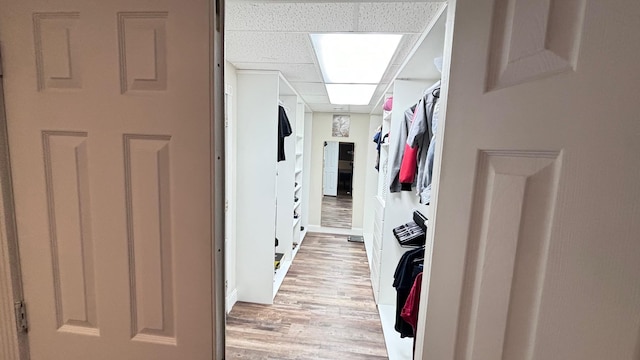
330 172
108 110
536 251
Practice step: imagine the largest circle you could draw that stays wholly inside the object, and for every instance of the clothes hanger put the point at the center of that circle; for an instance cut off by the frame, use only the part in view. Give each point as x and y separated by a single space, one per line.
280 103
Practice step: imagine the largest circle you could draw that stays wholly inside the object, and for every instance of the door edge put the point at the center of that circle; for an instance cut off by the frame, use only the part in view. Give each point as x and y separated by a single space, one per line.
216 107
15 343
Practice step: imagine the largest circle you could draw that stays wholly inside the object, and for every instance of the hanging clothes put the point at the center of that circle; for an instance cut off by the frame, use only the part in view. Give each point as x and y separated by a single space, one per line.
411 307
425 195
377 139
420 135
409 266
409 163
284 130
398 139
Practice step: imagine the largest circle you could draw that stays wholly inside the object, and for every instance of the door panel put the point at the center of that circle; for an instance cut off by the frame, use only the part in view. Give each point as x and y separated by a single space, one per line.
535 232
72 256
108 110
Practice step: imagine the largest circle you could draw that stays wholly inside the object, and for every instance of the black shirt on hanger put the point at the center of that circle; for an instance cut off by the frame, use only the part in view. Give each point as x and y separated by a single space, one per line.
284 130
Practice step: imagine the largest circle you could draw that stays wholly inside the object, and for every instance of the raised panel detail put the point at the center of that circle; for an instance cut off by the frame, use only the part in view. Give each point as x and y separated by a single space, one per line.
515 198
143 51
148 195
57 53
532 39
67 179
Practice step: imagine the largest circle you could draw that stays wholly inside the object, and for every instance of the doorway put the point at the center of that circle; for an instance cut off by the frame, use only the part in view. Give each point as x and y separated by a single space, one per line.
319 162
337 197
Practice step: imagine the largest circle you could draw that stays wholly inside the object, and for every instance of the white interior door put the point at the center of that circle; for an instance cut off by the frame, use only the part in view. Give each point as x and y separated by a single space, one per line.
108 108
536 250
330 174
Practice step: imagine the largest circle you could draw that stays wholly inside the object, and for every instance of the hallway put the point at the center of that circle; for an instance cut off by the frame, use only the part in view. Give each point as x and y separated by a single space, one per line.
337 211
324 309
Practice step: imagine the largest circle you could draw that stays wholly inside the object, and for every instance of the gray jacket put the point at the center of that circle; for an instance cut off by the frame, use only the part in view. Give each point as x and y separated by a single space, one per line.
422 134
397 140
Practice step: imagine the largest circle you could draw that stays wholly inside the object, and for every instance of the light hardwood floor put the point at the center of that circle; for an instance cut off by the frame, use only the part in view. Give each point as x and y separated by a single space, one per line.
324 309
337 211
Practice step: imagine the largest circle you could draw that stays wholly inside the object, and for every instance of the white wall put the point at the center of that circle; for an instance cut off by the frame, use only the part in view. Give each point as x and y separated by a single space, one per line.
231 85
359 135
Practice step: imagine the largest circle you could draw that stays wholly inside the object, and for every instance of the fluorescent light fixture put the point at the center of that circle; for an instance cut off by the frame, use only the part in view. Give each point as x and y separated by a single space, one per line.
354 58
350 94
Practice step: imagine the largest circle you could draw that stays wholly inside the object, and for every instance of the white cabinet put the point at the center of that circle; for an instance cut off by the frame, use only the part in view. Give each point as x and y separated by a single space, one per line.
269 196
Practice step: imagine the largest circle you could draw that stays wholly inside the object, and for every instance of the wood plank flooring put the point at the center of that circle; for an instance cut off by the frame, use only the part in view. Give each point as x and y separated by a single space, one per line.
337 211
324 309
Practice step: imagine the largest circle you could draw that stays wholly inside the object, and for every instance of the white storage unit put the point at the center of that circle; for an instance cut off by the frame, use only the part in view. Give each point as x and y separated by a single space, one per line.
375 250
299 180
395 209
266 188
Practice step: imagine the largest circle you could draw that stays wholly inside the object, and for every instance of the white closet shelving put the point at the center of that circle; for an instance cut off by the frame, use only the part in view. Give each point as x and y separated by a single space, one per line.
379 206
299 180
394 209
269 200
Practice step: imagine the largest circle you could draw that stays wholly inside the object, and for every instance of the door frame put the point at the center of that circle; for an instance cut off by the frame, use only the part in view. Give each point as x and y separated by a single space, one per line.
15 344
10 275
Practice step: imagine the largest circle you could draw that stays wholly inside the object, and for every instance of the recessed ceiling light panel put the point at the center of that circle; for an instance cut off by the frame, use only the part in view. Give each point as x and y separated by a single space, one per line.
354 58
350 94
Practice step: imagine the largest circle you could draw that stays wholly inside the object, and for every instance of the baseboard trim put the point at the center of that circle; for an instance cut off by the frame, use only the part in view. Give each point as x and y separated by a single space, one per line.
332 230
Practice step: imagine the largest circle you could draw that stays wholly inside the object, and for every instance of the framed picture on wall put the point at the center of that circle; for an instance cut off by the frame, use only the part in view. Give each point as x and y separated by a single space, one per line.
341 124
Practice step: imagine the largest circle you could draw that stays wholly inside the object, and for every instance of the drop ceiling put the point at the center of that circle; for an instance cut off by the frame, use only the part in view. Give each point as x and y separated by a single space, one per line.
275 36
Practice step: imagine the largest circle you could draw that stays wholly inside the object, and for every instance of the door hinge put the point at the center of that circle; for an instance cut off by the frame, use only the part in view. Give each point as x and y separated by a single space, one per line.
21 316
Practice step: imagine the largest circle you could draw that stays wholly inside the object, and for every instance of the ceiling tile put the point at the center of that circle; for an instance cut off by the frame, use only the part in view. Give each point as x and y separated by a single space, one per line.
274 35
288 48
315 88
404 17
361 109
291 72
329 108
315 99
291 17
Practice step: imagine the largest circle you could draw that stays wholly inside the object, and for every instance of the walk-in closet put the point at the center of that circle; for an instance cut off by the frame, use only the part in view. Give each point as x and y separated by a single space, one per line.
302 167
